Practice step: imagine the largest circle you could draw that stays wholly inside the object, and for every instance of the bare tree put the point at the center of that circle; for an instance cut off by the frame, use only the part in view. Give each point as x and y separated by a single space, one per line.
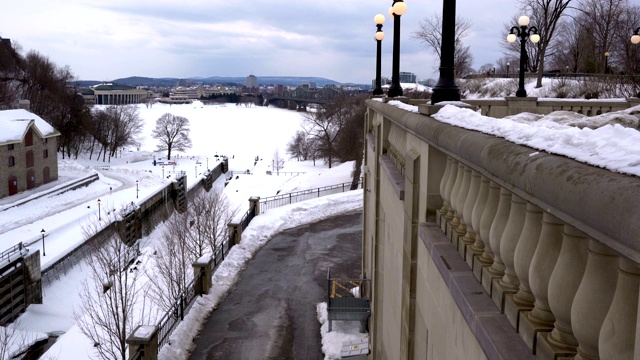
208 216
112 300
299 146
600 19
171 274
277 162
430 33
172 133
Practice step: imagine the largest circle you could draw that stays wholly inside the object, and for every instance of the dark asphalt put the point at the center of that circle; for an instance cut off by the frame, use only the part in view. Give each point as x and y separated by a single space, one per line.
271 312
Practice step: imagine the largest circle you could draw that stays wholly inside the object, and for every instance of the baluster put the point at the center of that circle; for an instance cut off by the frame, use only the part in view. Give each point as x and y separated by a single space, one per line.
489 213
563 285
508 242
527 244
461 230
540 318
618 333
455 192
496 270
448 190
467 212
443 189
593 299
478 208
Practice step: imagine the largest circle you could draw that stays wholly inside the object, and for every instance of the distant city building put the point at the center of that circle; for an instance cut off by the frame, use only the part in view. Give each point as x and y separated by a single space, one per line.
114 94
251 81
383 81
27 151
408 77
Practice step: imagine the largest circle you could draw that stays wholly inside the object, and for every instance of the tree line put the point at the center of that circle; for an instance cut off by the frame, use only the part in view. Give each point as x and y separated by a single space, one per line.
576 36
332 133
47 86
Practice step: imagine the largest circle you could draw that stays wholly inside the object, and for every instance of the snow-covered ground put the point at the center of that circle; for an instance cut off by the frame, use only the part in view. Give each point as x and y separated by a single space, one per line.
132 177
223 130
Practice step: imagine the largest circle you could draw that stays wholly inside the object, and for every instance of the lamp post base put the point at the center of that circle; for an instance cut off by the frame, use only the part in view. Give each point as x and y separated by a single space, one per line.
378 91
521 93
445 94
395 90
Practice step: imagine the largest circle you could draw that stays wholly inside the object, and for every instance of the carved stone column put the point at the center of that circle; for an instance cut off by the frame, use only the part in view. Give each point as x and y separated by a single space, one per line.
496 270
544 260
461 200
509 283
443 188
453 174
618 333
593 299
563 286
527 244
467 213
478 208
489 213
455 192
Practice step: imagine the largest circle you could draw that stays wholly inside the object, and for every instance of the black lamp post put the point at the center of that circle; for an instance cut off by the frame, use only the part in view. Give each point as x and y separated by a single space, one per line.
43 251
523 32
378 20
99 215
606 62
137 189
397 9
635 39
446 88
507 70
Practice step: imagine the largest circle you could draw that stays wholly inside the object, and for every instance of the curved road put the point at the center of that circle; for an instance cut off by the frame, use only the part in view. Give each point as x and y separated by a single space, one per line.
271 312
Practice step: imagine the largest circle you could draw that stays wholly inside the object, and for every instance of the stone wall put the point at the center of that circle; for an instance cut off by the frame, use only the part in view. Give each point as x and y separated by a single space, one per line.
477 250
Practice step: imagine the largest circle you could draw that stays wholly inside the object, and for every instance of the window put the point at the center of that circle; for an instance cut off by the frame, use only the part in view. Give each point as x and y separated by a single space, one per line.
10 147
29 158
45 153
28 138
12 161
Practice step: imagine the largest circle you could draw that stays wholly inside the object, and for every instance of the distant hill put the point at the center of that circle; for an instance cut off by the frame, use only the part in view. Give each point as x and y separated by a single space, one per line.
170 82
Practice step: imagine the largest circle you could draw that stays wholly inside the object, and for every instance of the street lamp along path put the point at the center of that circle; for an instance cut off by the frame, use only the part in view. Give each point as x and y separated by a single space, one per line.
523 31
397 9
378 20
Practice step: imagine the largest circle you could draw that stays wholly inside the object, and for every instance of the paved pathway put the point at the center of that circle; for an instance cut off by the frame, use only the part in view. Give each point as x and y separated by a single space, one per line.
271 312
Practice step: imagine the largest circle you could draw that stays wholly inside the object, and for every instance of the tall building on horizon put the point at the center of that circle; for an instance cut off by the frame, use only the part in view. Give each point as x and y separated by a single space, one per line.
251 81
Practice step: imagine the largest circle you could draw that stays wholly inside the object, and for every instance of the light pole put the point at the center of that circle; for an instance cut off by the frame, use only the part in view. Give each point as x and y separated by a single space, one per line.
43 251
397 9
163 171
99 215
446 88
507 70
606 62
635 39
137 189
523 32
378 20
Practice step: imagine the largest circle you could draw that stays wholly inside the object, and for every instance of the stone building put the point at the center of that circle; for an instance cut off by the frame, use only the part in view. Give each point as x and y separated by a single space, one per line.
27 152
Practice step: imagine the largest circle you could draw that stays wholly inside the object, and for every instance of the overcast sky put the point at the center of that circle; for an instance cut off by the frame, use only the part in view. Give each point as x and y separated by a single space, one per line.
105 40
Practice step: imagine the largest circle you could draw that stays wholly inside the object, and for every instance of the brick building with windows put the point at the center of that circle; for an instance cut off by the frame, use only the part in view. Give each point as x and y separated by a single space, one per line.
27 152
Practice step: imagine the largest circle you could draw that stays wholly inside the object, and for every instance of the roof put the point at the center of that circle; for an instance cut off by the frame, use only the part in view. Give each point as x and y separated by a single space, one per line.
15 123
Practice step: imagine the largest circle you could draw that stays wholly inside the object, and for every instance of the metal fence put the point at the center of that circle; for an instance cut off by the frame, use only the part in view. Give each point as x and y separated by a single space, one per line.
171 318
272 202
10 251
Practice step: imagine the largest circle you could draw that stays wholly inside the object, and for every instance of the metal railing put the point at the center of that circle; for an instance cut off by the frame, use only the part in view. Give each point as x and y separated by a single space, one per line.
247 217
272 202
10 251
171 318
138 355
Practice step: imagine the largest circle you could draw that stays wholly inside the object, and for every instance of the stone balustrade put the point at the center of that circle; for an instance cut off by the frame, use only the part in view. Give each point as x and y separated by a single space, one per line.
554 243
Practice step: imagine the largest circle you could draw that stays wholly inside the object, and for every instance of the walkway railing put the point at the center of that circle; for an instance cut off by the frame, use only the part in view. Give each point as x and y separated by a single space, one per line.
171 318
272 202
